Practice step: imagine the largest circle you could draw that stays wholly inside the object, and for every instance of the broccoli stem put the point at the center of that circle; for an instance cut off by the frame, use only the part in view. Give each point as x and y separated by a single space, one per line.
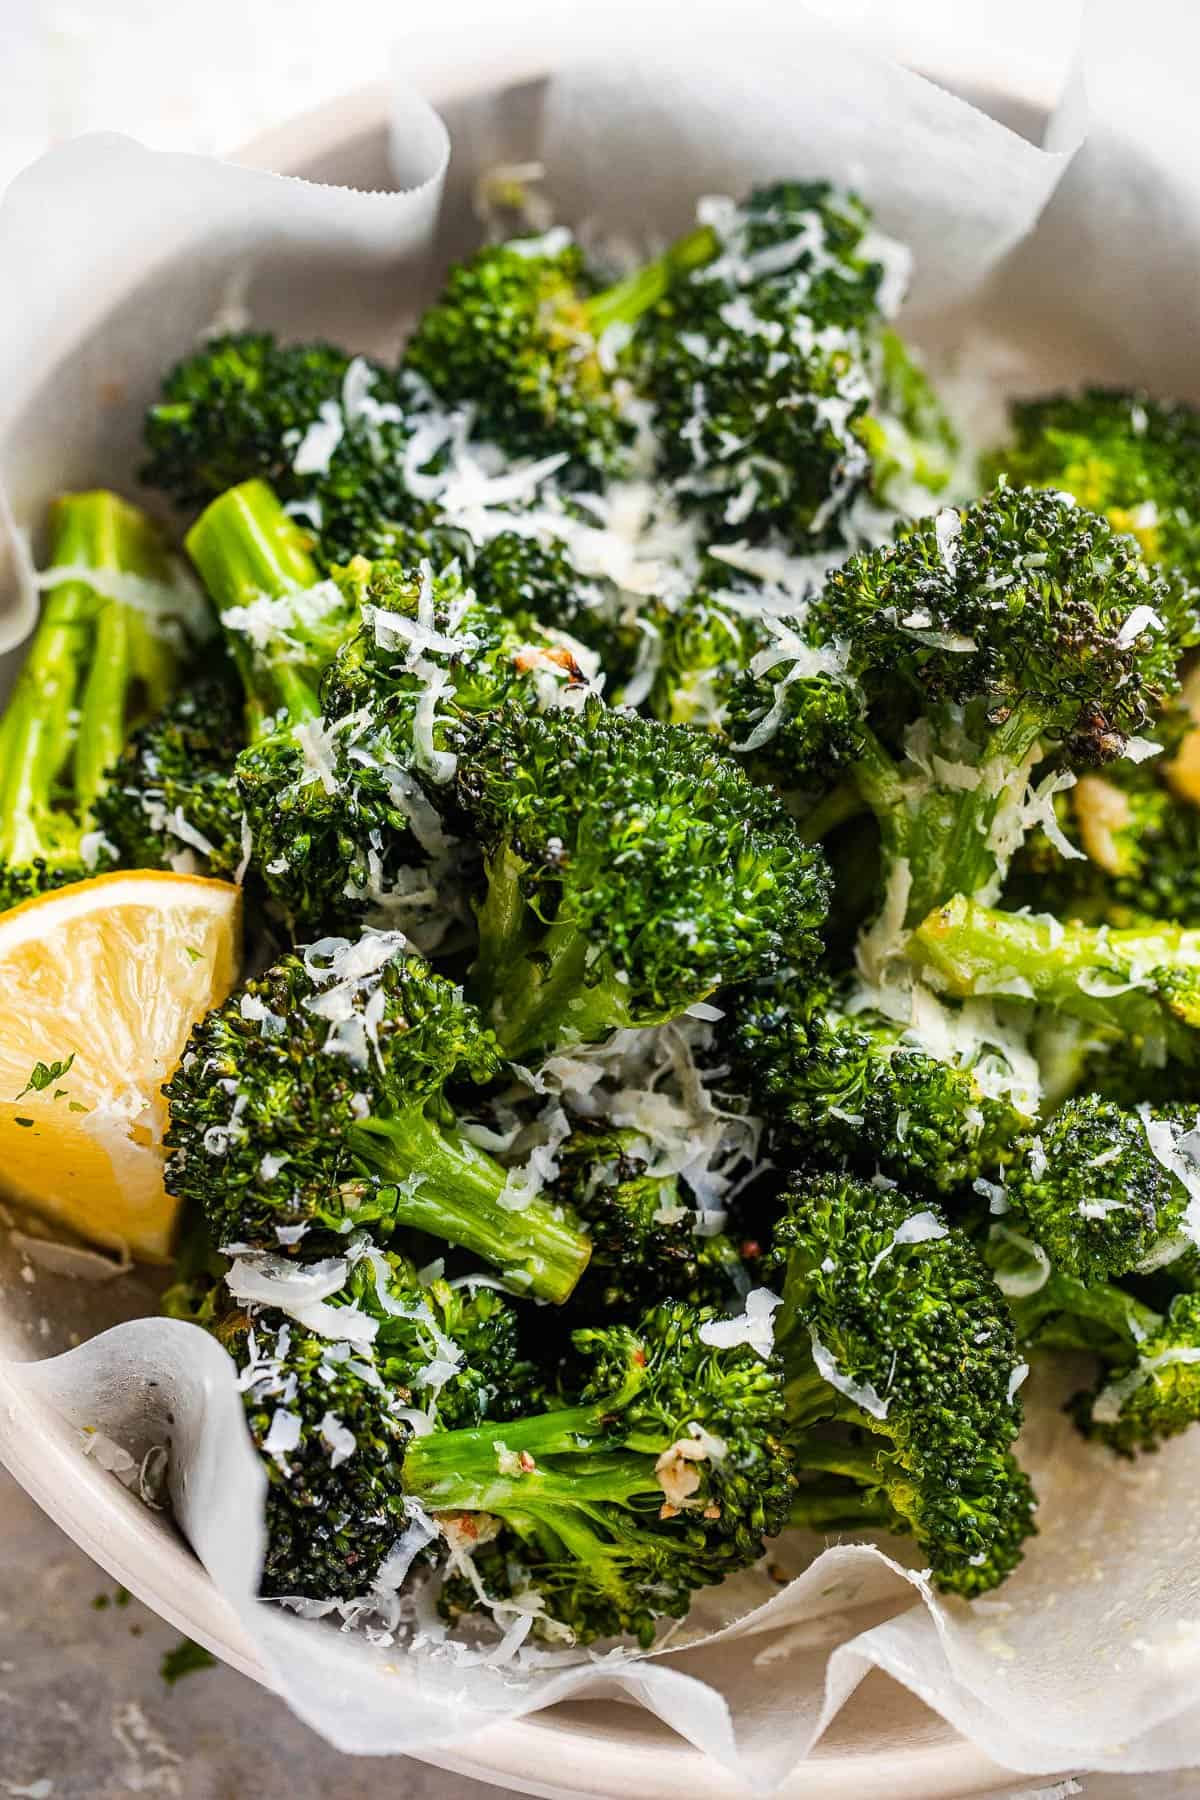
827 1506
70 711
628 300
444 1185
453 1470
945 834
534 983
977 949
248 548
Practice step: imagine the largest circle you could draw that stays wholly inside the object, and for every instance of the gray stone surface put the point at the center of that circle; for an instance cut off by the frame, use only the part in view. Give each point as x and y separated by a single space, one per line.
86 1715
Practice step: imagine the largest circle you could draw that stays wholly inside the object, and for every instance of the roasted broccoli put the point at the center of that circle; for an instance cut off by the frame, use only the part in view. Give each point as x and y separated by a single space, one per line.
938 671
326 430
892 1330
1122 454
525 333
631 870
845 1078
314 1100
332 1419
648 1243
663 1475
1140 985
105 652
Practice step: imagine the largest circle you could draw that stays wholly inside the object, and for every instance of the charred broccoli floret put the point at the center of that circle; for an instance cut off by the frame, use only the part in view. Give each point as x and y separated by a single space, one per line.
939 670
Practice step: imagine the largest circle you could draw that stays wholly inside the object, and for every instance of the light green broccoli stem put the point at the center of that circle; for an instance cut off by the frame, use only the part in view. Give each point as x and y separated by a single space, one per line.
72 706
437 1181
247 549
944 834
1136 983
826 1506
533 980
629 300
498 1469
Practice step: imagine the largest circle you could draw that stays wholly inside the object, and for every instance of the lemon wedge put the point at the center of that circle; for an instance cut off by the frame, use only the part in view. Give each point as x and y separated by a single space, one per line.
100 984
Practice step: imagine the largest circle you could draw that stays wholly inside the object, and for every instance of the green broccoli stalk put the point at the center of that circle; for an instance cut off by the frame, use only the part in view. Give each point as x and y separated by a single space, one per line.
892 1330
326 430
663 1476
938 671
97 664
632 869
1140 985
517 333
1122 454
332 1422
853 1081
315 1100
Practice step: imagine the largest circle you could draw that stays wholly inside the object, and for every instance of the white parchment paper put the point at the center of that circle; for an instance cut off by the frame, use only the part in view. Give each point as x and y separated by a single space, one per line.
115 258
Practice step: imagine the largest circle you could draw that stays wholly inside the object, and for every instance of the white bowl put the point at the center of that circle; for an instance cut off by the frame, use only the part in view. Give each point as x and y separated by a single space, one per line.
884 1743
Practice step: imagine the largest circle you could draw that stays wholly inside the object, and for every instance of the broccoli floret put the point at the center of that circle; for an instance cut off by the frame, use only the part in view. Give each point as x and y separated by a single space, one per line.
775 406
853 1082
95 667
1155 1393
938 671
326 430
1140 985
663 1476
1089 1187
632 869
693 650
316 1097
892 1328
335 1493
517 333
643 1231
1120 453
173 792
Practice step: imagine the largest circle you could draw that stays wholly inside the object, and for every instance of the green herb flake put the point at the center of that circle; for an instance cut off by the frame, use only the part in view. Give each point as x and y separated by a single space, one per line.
42 1075
185 1659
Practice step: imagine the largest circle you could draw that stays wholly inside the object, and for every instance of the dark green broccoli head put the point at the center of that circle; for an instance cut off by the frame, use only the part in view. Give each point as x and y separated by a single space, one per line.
173 790
633 869
315 1099
1091 1190
1155 1394
332 1419
853 1081
663 1477
511 335
1122 454
643 1231
892 1324
1022 600
324 428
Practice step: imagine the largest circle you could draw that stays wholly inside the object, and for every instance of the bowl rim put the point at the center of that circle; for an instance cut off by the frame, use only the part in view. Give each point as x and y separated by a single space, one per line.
42 1452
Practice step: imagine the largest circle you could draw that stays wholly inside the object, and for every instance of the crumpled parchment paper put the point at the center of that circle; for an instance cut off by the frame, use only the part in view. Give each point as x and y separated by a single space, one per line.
1088 1657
